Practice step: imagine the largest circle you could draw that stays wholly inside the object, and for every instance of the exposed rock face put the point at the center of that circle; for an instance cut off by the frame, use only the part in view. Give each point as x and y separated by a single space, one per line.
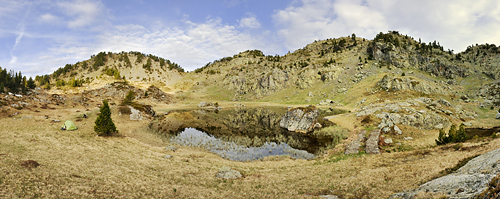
394 83
158 95
491 93
119 91
466 182
135 114
258 84
228 173
300 119
411 58
410 113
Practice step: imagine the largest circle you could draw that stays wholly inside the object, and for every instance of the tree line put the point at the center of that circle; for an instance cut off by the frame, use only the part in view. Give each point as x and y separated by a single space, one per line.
14 82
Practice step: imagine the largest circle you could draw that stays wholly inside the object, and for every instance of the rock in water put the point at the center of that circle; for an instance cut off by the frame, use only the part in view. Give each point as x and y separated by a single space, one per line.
228 173
300 119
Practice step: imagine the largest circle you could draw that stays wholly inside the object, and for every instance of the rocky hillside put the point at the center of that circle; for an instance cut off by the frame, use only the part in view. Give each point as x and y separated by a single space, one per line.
339 70
131 66
328 68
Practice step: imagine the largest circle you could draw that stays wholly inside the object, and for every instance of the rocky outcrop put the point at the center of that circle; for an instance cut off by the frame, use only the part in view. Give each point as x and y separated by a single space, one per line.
158 95
372 142
410 57
466 182
353 147
143 112
491 93
300 119
423 113
119 90
399 83
256 83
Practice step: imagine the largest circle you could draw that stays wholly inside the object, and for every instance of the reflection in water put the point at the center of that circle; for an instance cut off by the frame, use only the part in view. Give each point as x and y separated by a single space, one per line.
233 151
241 134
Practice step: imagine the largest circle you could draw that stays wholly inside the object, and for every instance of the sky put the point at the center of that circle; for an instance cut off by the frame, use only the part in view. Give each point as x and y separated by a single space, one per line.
39 36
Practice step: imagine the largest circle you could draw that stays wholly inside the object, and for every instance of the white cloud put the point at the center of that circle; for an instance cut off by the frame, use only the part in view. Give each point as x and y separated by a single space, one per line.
191 46
455 24
48 18
249 22
13 59
82 12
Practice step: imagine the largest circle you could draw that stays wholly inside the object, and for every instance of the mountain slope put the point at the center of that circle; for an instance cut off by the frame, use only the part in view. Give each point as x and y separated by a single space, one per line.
134 67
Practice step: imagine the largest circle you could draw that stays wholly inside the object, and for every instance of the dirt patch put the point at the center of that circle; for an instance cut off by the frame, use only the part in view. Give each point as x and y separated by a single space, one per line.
30 164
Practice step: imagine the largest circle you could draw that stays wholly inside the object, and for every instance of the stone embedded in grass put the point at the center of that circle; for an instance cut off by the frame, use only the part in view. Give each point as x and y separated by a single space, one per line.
397 130
228 173
168 156
388 141
171 148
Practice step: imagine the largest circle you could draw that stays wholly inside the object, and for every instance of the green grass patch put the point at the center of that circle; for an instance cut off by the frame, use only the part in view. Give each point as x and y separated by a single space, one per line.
345 157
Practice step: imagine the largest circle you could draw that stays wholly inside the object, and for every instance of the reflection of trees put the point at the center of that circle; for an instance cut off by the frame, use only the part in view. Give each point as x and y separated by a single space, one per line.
251 127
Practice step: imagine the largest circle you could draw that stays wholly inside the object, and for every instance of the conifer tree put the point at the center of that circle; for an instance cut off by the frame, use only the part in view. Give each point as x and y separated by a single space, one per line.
104 125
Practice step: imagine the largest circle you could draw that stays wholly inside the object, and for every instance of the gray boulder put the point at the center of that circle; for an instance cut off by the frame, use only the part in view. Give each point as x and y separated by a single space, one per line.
397 130
300 119
171 148
228 173
466 182
497 116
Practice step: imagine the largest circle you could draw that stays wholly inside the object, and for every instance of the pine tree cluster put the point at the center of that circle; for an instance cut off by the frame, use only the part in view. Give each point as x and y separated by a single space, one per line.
453 135
14 82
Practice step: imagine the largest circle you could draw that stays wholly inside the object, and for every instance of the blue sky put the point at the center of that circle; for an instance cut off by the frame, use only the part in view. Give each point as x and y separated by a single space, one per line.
39 36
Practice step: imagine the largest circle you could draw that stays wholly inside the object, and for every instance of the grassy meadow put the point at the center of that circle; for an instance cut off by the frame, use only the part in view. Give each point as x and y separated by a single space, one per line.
79 164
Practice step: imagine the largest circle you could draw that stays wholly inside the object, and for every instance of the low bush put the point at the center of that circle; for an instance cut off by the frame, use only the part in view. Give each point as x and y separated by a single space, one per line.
453 135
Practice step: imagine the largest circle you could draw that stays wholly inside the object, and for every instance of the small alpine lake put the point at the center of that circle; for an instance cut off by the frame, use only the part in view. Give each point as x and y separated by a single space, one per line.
244 134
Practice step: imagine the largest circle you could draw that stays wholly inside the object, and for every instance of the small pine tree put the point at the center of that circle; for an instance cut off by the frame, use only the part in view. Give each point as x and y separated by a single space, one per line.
452 134
129 98
31 83
442 138
104 125
461 135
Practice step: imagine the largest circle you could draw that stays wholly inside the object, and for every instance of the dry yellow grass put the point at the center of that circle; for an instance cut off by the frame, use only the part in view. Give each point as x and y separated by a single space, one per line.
78 164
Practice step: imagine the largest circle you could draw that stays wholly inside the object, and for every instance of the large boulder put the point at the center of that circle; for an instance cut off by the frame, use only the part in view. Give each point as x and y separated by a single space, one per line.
466 182
302 119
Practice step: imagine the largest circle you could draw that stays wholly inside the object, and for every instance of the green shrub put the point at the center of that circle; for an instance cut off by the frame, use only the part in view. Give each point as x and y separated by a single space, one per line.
453 135
104 125
129 98
336 133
